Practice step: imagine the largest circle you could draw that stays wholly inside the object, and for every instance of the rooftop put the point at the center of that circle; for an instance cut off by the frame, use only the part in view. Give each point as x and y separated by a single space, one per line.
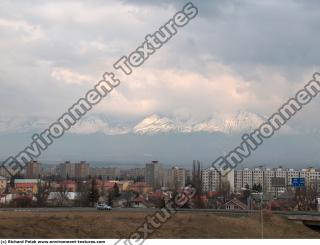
26 181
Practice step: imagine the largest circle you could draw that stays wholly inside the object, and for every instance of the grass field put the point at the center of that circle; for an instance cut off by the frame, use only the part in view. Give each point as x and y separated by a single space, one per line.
120 225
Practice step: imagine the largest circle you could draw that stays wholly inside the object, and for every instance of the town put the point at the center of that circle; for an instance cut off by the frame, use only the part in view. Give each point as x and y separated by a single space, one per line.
71 184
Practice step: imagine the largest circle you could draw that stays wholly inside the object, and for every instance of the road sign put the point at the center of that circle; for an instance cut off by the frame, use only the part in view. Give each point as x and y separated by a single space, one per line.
298 182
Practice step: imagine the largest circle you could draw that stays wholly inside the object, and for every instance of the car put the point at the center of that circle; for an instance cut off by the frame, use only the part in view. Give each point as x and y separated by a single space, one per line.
103 206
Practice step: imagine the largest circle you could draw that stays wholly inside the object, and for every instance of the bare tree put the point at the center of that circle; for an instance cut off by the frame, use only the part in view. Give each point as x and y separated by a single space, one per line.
43 190
62 195
225 190
83 192
311 195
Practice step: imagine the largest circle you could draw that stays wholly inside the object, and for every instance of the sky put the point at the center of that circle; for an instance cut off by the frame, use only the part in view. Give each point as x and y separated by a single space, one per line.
235 55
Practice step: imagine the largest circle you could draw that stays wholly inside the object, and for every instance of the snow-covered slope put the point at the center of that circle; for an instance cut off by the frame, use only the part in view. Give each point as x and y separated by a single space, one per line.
154 124
243 121
90 125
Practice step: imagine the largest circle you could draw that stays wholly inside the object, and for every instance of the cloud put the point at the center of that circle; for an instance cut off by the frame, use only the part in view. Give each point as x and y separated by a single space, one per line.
24 30
70 77
236 55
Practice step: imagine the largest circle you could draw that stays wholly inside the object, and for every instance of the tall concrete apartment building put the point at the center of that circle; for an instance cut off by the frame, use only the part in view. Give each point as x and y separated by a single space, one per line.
154 175
33 170
82 170
176 178
136 173
272 180
211 180
73 170
66 169
105 173
268 177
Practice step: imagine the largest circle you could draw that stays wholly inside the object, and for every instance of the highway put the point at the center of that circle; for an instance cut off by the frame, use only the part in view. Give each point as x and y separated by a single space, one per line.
151 210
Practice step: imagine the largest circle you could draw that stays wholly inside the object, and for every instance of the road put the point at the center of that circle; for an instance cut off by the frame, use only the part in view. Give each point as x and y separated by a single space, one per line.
151 210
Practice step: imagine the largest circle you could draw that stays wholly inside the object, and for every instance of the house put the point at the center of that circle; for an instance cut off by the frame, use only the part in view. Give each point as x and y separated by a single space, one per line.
62 198
140 187
6 198
3 184
108 185
138 202
235 204
141 202
26 185
69 185
124 185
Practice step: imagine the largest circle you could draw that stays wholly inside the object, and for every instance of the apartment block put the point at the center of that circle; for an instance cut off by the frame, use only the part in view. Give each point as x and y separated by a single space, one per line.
211 180
73 170
275 180
136 173
66 169
82 170
154 175
105 173
33 170
176 178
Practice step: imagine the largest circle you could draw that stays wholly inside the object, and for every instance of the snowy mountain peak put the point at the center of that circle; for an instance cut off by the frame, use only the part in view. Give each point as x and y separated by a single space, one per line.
153 124
243 121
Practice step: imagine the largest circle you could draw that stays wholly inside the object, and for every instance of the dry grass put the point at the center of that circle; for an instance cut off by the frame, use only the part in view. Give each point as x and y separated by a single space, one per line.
122 224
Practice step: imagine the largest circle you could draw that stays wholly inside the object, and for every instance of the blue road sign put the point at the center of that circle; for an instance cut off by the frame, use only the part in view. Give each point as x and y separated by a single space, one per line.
298 182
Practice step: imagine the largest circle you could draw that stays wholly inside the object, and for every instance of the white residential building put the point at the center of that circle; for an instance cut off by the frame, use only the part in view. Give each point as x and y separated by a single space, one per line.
210 179
268 178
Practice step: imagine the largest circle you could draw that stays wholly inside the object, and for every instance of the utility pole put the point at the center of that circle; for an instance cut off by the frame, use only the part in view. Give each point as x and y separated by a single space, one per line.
261 214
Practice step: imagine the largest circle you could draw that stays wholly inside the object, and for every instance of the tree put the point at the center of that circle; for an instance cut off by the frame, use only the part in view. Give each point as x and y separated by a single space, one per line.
254 187
42 193
160 203
129 197
110 198
94 193
116 190
225 190
246 193
257 187
82 194
12 178
300 198
198 202
311 196
62 195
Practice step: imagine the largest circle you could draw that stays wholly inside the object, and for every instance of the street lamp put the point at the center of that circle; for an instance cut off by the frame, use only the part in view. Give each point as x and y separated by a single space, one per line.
261 213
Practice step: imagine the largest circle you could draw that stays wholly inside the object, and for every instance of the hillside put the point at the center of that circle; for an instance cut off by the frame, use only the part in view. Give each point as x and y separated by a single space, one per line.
121 224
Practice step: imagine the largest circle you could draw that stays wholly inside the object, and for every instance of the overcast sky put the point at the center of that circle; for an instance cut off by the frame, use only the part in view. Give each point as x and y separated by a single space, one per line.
235 55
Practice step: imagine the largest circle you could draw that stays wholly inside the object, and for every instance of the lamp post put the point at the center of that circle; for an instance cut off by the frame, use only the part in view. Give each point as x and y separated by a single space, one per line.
261 213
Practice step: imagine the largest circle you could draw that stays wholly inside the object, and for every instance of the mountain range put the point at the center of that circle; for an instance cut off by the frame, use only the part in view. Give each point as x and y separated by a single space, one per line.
171 140
154 124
